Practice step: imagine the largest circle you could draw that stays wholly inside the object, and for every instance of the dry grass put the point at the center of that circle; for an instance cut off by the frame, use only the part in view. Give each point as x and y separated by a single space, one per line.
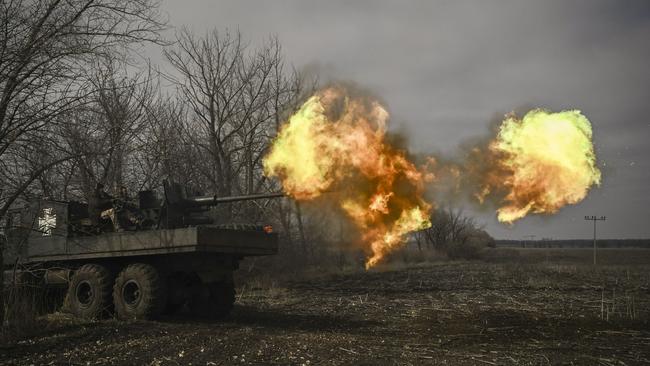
261 292
444 312
23 305
569 256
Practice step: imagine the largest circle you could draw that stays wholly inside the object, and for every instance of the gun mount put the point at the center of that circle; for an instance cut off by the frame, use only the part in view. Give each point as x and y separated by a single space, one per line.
180 208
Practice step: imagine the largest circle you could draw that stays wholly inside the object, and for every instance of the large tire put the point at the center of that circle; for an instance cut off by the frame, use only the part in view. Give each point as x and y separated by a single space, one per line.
213 300
180 287
89 292
140 292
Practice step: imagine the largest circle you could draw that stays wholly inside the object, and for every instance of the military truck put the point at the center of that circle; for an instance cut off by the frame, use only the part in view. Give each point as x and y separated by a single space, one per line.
134 258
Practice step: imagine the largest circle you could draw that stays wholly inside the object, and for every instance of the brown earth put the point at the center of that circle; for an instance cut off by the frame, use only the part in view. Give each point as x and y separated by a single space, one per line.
442 313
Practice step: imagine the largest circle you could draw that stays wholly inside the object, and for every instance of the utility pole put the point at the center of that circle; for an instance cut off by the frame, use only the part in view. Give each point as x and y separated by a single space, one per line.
594 219
547 245
530 239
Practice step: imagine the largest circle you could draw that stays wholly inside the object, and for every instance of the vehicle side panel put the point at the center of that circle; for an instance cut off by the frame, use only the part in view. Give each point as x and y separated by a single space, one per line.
153 242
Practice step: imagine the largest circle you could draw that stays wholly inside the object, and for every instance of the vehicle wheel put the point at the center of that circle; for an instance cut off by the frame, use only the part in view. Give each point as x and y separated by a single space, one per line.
139 292
213 300
179 291
89 293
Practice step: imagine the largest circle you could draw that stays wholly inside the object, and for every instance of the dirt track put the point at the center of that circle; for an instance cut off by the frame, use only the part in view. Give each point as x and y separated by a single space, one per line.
442 314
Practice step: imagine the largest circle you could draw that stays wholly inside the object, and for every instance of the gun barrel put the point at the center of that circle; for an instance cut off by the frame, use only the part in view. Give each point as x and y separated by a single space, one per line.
214 200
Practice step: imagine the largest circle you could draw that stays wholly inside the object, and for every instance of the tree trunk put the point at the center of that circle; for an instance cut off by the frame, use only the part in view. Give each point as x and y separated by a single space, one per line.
303 241
2 282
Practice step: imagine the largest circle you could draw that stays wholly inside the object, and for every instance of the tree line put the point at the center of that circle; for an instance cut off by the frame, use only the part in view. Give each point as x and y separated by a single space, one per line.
79 105
575 243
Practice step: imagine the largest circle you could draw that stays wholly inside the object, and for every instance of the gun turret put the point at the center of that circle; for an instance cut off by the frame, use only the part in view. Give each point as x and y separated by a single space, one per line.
181 207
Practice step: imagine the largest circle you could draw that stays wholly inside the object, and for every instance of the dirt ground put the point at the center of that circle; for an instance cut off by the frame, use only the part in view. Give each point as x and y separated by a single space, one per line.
441 313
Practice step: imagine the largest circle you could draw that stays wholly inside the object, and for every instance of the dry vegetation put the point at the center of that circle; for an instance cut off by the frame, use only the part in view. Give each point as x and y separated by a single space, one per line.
527 310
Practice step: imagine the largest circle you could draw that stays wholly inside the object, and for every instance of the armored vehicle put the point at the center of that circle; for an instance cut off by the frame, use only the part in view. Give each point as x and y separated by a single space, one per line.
136 258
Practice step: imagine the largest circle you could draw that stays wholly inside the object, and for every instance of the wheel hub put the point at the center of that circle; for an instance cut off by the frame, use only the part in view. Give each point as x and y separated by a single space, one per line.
131 293
84 293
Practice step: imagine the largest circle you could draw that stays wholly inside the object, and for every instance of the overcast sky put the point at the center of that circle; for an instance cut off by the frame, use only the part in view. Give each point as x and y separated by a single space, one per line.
447 68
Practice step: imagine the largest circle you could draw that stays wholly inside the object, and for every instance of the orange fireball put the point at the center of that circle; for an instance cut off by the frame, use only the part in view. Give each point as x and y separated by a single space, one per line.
539 163
338 142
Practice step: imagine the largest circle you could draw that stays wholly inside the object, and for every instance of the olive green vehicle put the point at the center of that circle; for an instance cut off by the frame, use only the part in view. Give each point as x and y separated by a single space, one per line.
135 259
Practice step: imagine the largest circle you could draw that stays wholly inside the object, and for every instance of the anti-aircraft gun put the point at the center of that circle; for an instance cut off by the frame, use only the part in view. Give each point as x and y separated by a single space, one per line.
138 259
181 209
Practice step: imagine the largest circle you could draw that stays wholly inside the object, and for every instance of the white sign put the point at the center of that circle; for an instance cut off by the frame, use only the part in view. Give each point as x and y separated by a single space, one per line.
47 221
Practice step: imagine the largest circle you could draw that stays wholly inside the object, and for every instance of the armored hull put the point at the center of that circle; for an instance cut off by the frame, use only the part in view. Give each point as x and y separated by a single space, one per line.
241 242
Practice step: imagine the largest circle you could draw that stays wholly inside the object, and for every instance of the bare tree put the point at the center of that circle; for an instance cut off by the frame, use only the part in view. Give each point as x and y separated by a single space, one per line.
449 227
166 149
106 131
235 98
45 46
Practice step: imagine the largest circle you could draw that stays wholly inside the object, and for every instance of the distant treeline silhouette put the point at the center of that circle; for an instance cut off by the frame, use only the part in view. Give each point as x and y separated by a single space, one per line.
575 243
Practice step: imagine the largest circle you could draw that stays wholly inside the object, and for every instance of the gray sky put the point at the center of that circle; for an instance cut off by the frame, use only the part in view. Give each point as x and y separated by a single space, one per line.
447 68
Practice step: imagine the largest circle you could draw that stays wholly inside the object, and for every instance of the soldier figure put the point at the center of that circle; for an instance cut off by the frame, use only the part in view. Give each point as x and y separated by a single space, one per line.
126 214
97 204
